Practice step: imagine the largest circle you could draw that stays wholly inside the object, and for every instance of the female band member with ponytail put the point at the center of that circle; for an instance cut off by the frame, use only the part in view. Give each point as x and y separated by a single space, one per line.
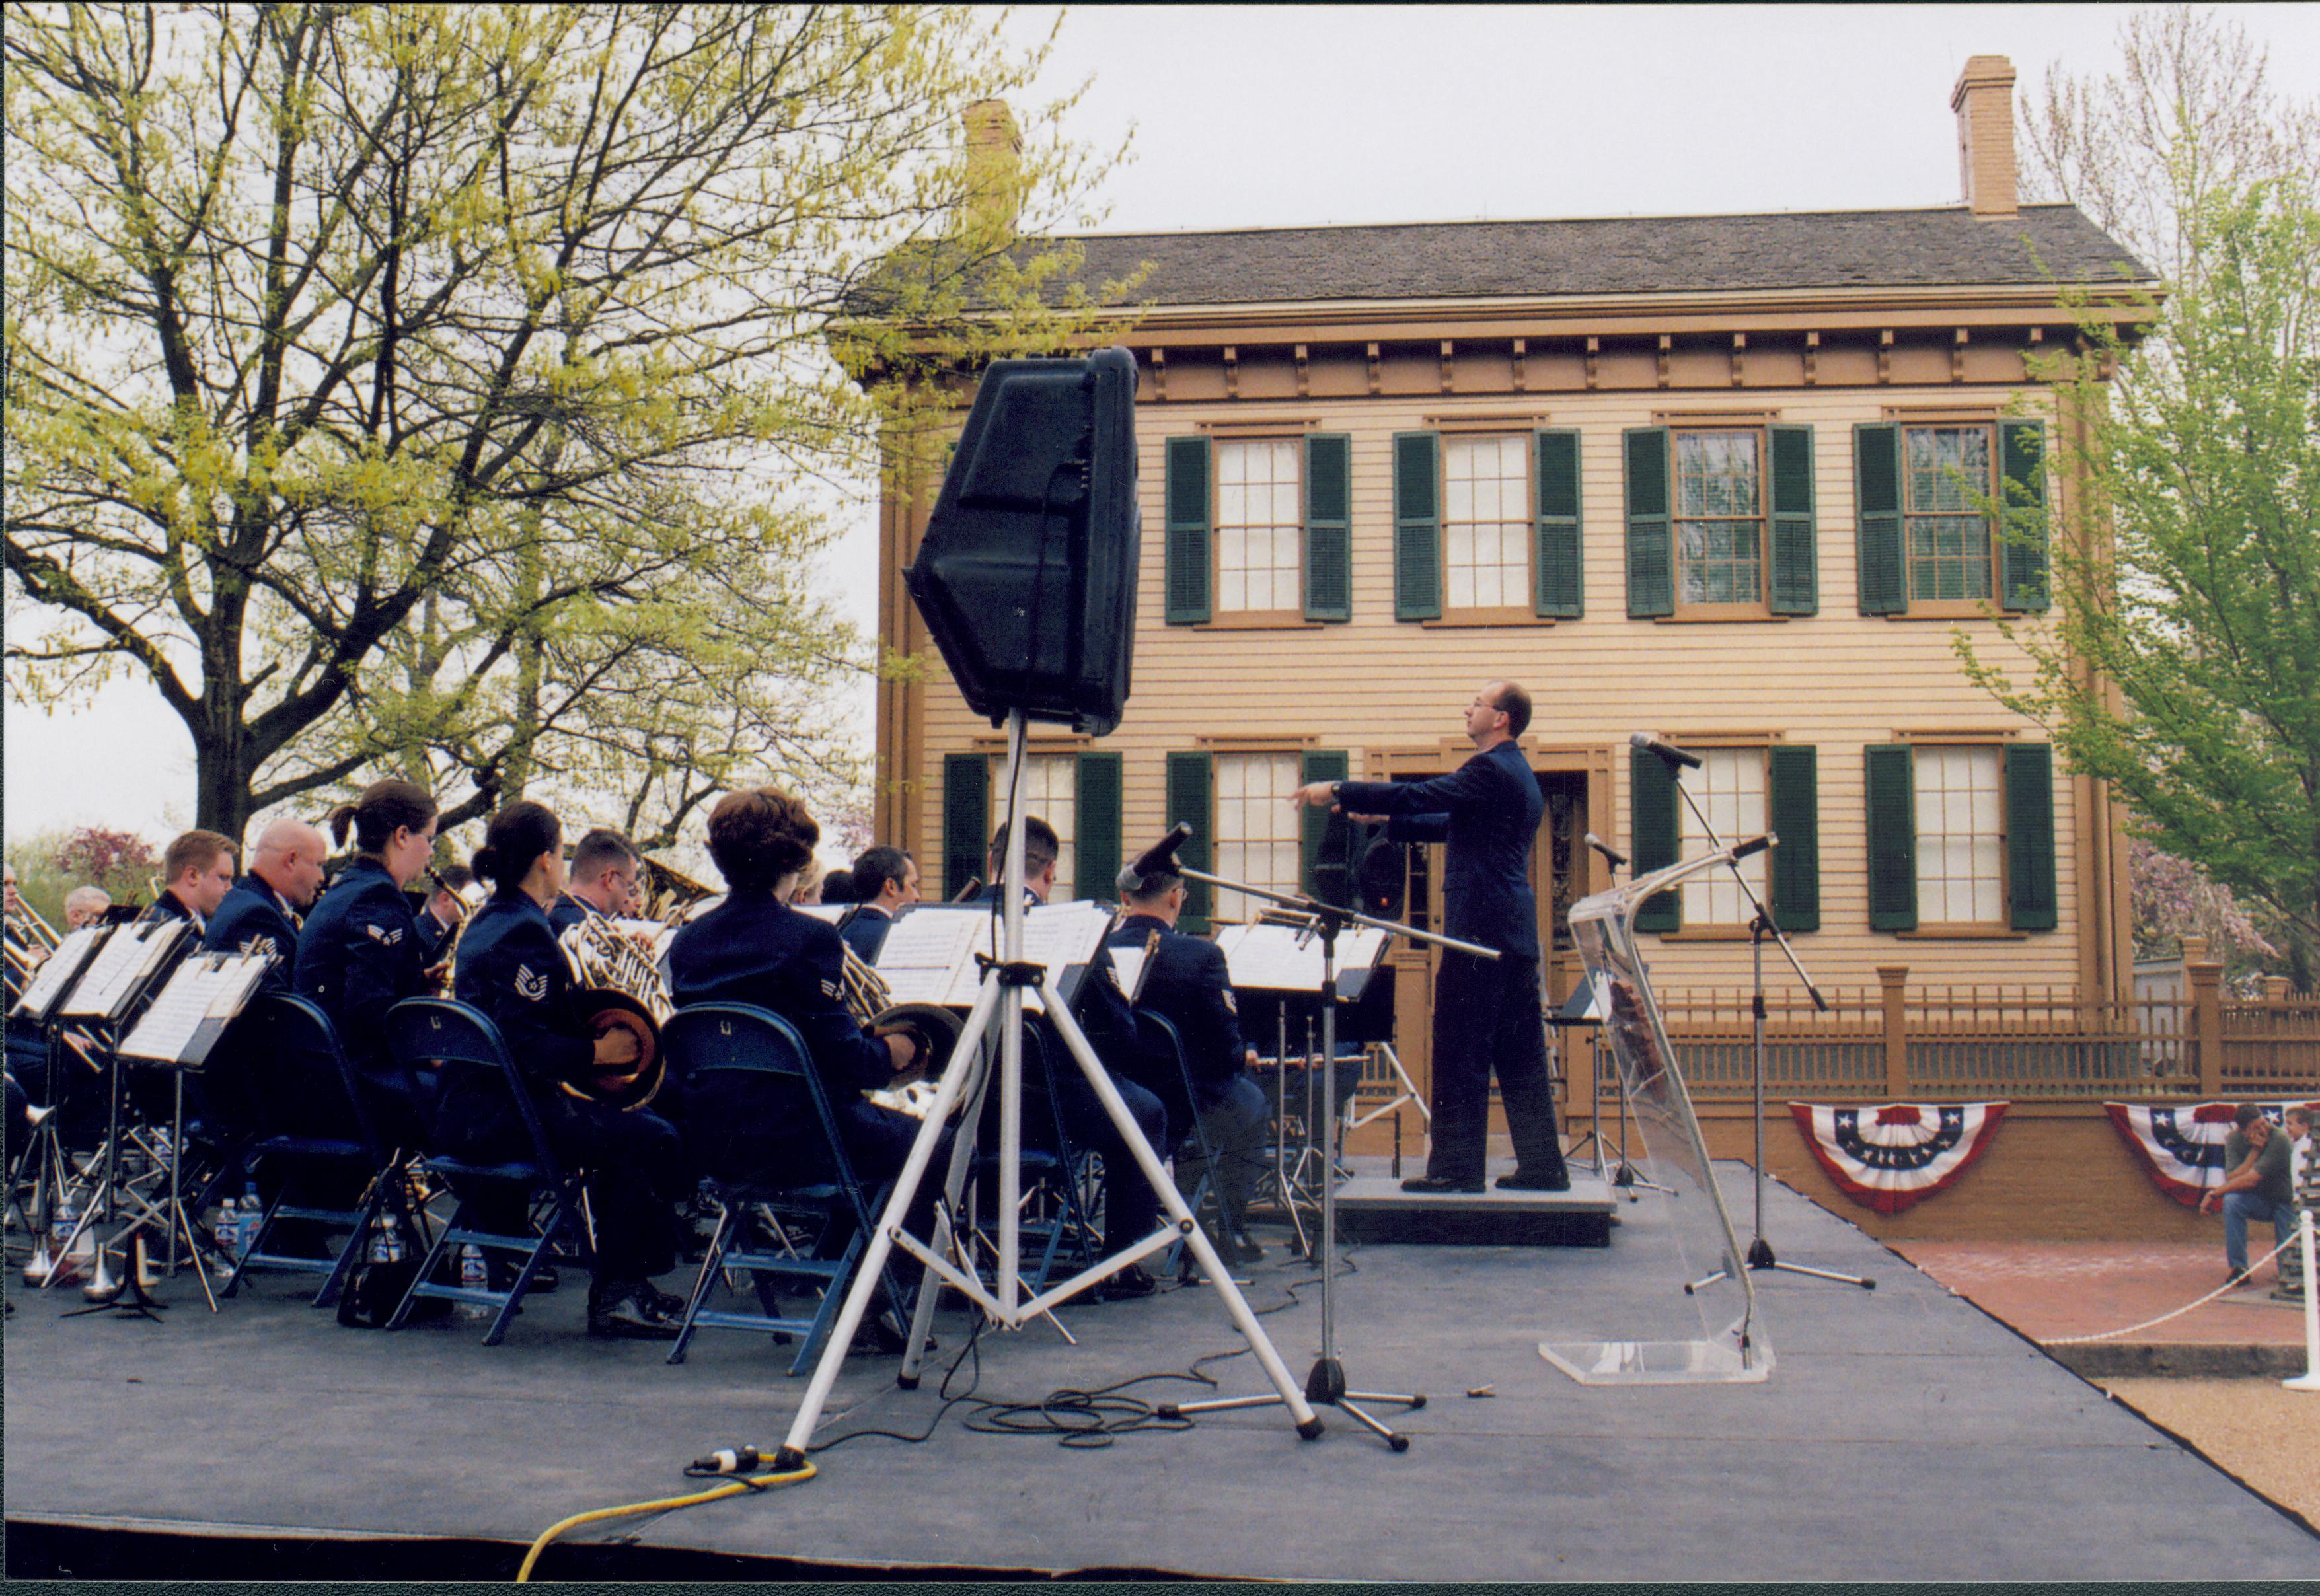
362 953
510 966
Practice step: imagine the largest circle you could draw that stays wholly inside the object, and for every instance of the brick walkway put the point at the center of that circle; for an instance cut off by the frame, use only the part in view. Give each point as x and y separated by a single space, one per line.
2051 1289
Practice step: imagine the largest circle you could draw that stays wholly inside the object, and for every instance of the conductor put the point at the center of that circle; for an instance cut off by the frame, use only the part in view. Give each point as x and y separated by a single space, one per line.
1486 1011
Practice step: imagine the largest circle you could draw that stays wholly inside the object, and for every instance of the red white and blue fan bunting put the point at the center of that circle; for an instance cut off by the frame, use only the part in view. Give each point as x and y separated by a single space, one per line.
2182 1145
1892 1155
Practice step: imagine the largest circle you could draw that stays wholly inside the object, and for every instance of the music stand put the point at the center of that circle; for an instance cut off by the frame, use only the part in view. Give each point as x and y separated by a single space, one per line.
1326 1383
52 1172
999 1001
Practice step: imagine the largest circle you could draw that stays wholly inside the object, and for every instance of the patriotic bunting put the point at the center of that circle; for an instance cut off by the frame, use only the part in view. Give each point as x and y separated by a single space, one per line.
1891 1156
2182 1145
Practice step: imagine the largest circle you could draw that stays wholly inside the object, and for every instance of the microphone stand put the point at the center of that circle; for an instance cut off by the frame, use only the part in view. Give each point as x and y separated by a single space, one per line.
1761 924
1325 1385
1624 1177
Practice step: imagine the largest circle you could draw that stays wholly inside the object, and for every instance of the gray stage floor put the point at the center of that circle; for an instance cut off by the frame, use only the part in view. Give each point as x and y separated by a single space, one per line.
1904 1435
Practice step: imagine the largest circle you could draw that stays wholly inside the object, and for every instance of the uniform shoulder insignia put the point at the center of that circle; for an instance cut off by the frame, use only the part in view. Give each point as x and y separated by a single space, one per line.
259 945
381 933
530 988
1231 1007
833 991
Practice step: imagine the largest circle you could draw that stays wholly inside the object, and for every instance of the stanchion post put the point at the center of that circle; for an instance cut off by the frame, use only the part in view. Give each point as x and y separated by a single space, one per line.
2309 1380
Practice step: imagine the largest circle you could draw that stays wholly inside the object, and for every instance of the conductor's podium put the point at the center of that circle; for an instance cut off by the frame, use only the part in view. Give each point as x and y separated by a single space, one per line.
1373 1208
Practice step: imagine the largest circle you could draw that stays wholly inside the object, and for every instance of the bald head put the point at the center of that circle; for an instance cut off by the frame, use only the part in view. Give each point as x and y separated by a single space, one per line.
289 858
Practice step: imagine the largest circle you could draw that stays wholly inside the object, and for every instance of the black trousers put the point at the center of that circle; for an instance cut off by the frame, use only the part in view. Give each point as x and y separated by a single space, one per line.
633 1164
1487 1020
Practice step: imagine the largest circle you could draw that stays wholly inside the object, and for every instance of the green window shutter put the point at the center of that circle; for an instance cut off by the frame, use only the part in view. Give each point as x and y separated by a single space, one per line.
1652 834
966 819
1884 577
1187 503
2030 836
1892 814
2022 548
1795 532
1562 572
1097 817
1188 803
1792 793
1321 765
1651 547
1328 528
1417 526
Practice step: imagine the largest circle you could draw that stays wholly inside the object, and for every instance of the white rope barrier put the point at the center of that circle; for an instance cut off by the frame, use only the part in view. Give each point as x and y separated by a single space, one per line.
2232 1284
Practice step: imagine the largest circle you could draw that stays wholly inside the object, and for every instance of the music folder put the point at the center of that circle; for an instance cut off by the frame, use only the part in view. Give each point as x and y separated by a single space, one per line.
206 994
125 967
58 972
935 953
1270 958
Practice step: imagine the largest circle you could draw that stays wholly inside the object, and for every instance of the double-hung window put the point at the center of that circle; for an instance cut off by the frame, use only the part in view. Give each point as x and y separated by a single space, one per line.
1487 522
1719 521
1259 838
1260 526
1729 789
1946 484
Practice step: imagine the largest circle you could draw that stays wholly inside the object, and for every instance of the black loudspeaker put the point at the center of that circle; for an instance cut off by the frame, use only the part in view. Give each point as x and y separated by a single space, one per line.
1384 873
1026 576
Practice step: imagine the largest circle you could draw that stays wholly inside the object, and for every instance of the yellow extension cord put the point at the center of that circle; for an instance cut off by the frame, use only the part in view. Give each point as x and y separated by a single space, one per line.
733 1487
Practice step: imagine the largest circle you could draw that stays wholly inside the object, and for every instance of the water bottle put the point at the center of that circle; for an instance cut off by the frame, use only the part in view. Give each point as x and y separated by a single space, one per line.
382 1234
252 1212
62 1225
474 1276
229 1229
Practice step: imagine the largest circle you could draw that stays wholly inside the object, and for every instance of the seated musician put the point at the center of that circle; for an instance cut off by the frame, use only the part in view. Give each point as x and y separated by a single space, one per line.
27 1053
885 882
86 906
445 909
604 867
509 968
755 948
260 914
196 873
1131 1208
1187 984
361 951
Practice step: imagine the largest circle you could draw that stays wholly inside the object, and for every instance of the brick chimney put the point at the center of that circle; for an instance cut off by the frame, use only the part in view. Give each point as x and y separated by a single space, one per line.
994 166
1984 103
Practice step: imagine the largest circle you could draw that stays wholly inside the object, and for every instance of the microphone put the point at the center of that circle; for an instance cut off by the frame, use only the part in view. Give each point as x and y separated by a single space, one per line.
1652 743
1611 856
1161 857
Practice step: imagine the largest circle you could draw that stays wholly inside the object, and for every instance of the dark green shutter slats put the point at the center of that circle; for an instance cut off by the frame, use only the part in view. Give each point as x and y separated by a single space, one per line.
1187 533
966 819
1328 528
1892 814
1320 764
1792 783
1561 571
1651 549
1097 816
2022 542
1884 578
1795 533
2030 836
1652 834
1188 803
1417 526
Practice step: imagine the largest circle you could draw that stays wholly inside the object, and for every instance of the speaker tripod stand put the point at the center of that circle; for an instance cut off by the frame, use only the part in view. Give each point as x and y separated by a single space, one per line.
1325 1384
1000 1003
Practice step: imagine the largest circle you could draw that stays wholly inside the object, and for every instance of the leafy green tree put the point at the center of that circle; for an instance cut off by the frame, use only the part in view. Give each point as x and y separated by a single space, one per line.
444 389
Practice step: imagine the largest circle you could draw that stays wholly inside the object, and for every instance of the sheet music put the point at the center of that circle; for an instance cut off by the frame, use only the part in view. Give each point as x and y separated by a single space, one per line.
1130 963
831 912
132 953
924 950
1266 958
213 988
57 971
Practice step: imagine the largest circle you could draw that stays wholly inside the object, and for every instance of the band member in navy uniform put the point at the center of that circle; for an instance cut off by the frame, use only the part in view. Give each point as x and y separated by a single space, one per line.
361 950
509 968
884 883
1486 1011
196 873
604 869
1186 983
1131 1206
446 910
755 948
260 914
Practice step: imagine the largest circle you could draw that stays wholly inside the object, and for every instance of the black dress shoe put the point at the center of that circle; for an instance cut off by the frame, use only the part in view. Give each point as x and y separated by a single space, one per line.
1522 1180
1436 1184
632 1310
1130 1284
1246 1249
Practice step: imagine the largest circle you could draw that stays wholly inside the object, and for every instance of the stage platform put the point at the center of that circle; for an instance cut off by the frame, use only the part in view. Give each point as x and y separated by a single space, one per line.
1904 1435
1374 1209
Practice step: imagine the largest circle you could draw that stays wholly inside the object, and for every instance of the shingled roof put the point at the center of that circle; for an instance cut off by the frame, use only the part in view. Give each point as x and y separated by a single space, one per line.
1934 248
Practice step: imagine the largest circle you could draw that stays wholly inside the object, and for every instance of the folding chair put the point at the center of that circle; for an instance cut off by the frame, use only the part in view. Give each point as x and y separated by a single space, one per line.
436 1030
293 1080
764 1062
1055 1187
1157 1038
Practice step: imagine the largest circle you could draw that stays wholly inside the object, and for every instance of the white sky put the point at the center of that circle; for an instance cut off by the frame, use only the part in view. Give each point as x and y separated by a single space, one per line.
1255 117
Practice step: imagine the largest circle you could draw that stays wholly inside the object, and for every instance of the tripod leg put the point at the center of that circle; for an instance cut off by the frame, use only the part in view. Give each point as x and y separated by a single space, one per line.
962 1161
1173 1201
1399 1443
